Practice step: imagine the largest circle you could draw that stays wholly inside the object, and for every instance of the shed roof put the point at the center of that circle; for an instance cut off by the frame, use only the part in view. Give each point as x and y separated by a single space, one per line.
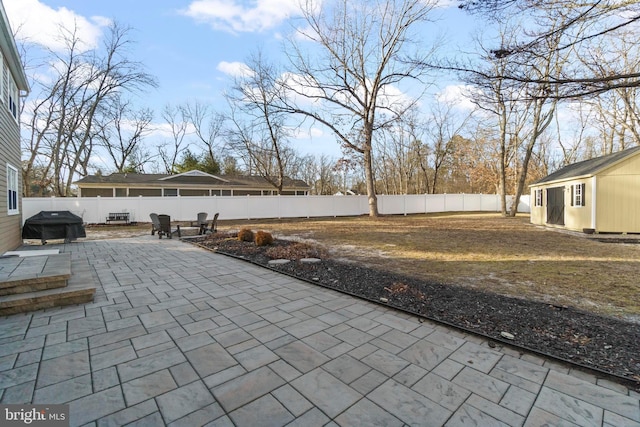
589 167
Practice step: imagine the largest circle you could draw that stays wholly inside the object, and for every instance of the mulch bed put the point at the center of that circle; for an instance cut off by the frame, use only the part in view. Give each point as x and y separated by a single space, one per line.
603 343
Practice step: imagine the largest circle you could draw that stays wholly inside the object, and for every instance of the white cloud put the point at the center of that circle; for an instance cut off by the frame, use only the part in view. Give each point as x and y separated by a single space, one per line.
457 95
444 4
38 23
306 133
393 98
235 69
238 16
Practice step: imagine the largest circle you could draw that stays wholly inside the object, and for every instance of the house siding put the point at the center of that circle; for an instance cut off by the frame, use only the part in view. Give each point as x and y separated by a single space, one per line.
10 225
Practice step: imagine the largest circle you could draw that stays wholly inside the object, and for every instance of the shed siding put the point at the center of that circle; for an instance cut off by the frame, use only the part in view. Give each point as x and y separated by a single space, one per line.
9 154
618 209
538 213
575 217
628 167
578 218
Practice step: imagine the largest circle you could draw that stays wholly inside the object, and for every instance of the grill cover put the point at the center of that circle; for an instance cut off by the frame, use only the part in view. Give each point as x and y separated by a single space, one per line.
49 225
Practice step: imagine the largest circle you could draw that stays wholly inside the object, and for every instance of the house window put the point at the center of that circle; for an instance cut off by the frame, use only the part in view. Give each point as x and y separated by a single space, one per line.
170 192
13 99
538 196
9 90
12 190
577 195
3 82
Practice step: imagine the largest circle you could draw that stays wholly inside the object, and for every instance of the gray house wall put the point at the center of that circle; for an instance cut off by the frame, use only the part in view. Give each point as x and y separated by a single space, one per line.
13 83
9 155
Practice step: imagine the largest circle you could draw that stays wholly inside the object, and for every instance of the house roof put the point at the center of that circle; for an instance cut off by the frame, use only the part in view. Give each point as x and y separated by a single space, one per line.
589 167
191 177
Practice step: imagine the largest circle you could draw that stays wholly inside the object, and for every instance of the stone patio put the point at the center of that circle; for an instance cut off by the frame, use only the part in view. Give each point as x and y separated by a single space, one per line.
180 336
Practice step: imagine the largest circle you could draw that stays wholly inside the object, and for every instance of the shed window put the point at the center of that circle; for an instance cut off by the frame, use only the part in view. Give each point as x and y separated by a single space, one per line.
12 190
538 197
577 195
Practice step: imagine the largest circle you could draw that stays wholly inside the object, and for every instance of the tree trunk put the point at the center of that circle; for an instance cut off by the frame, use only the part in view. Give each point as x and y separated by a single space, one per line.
540 124
370 181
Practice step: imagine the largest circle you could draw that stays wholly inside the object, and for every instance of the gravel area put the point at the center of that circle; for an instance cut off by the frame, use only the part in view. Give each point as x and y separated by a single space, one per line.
603 343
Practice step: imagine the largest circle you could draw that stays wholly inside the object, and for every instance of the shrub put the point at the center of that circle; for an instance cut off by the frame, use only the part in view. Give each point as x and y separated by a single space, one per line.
245 235
263 238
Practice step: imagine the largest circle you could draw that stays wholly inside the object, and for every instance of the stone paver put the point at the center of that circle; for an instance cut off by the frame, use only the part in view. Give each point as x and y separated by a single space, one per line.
246 388
184 400
144 388
326 391
180 336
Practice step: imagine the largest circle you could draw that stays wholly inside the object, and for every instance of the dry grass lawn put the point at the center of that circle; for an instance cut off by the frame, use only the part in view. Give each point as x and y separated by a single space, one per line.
484 251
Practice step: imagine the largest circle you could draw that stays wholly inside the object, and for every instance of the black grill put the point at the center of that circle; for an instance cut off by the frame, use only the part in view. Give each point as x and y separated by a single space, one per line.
50 225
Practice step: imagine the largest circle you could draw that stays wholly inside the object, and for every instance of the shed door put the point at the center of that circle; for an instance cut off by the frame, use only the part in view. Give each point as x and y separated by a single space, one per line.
555 205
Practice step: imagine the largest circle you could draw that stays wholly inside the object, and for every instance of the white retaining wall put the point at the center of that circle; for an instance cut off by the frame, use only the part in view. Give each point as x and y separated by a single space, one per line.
94 210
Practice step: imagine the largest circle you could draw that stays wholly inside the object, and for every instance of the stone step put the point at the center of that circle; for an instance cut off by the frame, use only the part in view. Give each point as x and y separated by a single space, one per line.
34 273
30 274
40 284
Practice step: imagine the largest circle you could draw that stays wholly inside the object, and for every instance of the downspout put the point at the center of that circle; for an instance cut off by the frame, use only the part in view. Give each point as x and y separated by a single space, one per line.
594 193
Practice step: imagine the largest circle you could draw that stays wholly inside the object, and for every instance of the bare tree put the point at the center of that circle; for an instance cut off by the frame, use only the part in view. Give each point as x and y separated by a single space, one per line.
522 112
495 97
122 132
403 158
178 126
616 112
346 62
443 125
63 123
259 129
582 25
208 127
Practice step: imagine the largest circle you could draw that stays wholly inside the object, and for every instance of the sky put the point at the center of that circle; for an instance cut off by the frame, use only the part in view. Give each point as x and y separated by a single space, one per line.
195 47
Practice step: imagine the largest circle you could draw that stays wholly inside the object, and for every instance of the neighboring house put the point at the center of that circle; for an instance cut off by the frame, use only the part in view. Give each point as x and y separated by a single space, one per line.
13 84
599 195
192 183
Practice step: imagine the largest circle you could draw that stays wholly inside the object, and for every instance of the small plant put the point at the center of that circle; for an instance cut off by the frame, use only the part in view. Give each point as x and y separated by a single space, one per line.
245 235
263 238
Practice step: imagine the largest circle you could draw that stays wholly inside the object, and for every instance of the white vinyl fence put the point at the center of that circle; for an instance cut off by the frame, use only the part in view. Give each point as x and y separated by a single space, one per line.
94 210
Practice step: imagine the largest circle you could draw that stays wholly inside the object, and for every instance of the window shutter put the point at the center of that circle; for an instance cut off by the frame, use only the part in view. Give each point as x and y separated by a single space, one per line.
583 193
572 195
